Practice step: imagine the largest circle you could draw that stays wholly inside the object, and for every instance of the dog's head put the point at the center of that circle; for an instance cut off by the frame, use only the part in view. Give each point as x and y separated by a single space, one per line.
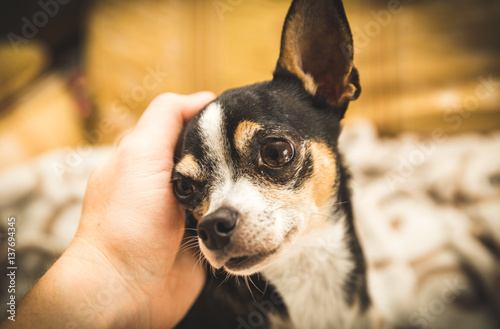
259 165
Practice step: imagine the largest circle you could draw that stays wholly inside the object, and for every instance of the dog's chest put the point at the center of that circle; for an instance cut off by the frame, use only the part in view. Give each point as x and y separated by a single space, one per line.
311 277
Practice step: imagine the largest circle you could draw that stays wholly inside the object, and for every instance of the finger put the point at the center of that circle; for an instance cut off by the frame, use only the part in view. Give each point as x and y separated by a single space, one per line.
168 112
198 101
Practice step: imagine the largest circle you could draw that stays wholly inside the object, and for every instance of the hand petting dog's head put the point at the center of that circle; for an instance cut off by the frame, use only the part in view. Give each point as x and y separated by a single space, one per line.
259 165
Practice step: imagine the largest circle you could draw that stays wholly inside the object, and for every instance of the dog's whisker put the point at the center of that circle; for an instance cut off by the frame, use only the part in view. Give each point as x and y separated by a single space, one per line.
187 247
248 286
190 238
213 270
187 229
188 243
228 276
267 284
250 278
200 260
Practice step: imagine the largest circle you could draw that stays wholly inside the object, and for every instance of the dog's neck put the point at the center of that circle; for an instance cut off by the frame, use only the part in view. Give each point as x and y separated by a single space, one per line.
322 276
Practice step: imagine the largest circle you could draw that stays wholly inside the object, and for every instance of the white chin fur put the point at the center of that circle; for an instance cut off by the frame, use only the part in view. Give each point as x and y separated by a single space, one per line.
250 271
219 262
254 268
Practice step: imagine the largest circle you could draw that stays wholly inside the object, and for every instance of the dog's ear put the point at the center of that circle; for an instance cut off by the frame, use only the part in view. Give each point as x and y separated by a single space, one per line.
316 46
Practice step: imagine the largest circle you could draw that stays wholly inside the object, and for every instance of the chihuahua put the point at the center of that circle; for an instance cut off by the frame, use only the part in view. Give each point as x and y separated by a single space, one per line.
260 171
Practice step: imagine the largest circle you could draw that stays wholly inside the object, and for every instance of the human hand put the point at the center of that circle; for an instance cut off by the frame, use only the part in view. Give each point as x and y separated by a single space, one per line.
129 234
131 216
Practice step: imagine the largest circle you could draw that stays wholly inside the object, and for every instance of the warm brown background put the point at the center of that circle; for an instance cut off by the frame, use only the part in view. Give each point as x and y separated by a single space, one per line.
89 72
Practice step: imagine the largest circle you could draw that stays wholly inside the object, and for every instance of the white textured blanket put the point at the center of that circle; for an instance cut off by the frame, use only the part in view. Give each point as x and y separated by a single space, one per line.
427 212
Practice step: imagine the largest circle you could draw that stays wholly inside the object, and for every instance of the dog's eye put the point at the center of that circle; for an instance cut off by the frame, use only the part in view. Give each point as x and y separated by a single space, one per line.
277 153
183 188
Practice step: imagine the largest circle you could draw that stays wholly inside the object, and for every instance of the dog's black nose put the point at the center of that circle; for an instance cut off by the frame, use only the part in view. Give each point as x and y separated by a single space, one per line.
216 229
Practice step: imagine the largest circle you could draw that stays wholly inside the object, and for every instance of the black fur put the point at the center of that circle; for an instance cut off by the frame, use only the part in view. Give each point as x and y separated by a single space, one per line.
284 108
281 105
356 286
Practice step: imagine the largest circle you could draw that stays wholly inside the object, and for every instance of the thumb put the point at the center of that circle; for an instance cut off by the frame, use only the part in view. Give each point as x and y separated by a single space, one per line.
168 113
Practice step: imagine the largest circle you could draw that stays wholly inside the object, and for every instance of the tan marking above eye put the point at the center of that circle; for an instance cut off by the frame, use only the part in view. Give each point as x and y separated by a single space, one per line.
188 167
243 135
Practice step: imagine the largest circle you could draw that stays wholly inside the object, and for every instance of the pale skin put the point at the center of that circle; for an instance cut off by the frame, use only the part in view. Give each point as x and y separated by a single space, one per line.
123 268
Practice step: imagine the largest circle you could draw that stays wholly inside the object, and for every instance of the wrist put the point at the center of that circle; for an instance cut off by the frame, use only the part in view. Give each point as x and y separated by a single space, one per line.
78 294
100 296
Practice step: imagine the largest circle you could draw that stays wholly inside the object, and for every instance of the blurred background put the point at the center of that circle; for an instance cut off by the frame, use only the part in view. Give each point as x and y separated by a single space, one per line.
76 73
83 71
